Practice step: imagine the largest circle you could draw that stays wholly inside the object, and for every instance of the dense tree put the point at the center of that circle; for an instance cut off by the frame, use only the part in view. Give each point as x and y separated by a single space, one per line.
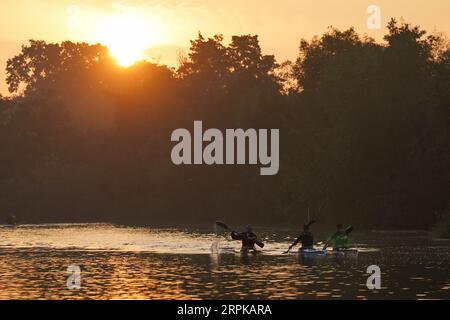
365 131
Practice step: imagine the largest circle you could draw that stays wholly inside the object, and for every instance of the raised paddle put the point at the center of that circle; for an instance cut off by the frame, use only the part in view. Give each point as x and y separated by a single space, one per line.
346 232
310 223
306 227
226 227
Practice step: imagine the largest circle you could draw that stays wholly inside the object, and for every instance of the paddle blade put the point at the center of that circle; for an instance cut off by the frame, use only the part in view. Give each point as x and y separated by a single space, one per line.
222 225
310 223
348 230
259 244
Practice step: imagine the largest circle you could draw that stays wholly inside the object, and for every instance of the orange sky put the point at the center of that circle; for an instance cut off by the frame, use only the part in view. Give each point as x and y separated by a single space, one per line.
168 25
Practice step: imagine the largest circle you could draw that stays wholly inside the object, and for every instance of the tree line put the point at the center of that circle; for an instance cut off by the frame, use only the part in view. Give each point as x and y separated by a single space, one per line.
364 132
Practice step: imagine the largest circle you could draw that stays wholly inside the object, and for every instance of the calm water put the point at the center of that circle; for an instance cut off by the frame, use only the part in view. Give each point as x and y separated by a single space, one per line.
144 263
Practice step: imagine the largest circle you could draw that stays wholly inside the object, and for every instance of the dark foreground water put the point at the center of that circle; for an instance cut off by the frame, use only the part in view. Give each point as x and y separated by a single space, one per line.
144 263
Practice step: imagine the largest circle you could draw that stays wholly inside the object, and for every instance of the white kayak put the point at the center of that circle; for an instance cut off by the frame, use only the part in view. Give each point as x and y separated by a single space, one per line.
344 253
317 253
310 252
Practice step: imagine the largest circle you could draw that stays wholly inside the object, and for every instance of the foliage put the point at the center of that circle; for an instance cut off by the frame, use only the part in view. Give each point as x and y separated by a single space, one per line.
441 228
365 131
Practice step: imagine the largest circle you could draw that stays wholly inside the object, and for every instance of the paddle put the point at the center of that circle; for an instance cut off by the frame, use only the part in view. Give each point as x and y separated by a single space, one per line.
306 227
310 223
224 226
346 232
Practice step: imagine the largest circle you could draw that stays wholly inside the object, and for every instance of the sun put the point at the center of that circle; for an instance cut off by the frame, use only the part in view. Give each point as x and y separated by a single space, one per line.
127 36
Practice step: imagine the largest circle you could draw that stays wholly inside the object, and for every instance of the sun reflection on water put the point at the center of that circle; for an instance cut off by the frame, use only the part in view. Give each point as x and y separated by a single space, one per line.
144 263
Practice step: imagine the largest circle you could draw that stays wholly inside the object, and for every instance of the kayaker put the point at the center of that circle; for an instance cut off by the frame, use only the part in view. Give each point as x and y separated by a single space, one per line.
306 238
11 220
339 240
248 238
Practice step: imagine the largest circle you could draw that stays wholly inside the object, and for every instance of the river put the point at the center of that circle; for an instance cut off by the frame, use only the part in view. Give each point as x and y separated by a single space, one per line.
119 262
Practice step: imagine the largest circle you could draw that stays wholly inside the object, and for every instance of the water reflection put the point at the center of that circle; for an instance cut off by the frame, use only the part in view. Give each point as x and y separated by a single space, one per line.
140 263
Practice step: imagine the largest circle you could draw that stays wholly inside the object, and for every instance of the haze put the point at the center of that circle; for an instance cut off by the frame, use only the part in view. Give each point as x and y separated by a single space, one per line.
165 27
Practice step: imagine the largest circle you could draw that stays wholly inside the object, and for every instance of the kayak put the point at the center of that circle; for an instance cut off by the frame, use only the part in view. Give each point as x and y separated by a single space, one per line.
313 253
316 253
249 251
344 253
8 226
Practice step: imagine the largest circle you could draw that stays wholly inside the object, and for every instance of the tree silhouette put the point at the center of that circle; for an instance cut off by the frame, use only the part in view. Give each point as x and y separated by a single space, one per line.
365 131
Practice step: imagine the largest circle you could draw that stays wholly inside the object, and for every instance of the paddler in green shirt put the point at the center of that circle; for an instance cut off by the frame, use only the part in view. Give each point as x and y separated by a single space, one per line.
339 240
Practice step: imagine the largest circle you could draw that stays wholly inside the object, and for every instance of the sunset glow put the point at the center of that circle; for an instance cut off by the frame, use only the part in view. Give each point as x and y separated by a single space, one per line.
136 30
210 157
126 36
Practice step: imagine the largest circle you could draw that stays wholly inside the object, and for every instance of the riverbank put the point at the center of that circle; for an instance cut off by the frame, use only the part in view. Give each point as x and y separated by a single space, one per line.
441 229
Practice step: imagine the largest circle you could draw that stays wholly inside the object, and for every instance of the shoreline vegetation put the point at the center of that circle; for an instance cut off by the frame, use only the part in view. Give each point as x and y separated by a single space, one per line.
364 132
441 228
